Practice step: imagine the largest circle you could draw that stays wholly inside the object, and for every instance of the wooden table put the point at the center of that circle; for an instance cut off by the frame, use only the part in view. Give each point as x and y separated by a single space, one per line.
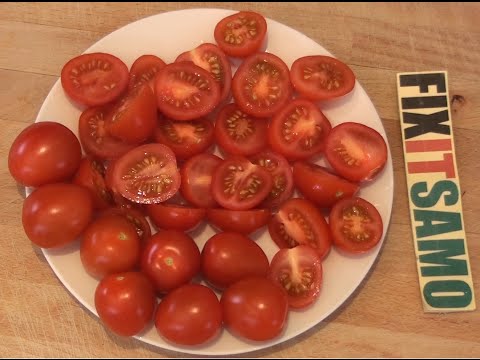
384 318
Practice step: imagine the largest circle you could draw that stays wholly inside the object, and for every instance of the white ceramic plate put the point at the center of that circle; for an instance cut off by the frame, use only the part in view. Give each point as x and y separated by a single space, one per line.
168 35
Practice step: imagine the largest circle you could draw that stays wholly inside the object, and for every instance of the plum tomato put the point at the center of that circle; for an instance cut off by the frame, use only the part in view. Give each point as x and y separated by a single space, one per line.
175 217
239 221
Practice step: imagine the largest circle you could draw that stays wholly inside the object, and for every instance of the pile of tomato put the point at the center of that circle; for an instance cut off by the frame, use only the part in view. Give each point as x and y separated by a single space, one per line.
149 132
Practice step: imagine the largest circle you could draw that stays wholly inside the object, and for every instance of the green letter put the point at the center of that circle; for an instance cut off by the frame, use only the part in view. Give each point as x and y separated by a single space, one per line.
431 199
446 222
441 252
434 297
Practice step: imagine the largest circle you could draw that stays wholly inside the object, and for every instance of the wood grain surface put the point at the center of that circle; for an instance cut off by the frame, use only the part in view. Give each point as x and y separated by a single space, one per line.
384 317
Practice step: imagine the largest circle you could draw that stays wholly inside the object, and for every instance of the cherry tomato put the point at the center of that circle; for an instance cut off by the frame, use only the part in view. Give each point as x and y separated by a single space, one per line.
144 70
299 271
241 34
196 174
356 152
175 217
321 77
321 186
356 225
133 117
94 79
147 174
110 244
261 85
299 221
185 91
91 174
136 218
170 259
238 133
54 215
189 315
125 302
211 58
96 141
229 257
239 221
299 130
44 152
237 184
185 138
255 308
281 172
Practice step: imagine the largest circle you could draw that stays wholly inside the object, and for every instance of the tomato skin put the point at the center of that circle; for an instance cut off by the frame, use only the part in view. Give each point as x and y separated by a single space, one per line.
135 217
255 308
196 178
319 185
239 221
356 152
261 85
170 259
229 257
54 215
94 79
125 302
356 225
43 153
144 70
90 174
299 270
189 315
312 75
175 217
225 33
109 245
299 221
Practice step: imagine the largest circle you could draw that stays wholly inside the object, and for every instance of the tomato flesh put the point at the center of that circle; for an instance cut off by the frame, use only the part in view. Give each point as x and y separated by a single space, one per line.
144 70
91 174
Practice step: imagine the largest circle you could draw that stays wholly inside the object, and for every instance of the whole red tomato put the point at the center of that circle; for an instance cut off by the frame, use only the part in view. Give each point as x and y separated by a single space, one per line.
56 214
43 153
125 302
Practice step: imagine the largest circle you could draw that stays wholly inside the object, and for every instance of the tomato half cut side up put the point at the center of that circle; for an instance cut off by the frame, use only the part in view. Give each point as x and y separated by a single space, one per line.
299 130
299 271
320 77
237 184
238 133
241 34
185 91
185 138
356 225
211 58
281 172
355 151
94 79
300 222
261 85
94 137
238 221
144 70
147 174
319 185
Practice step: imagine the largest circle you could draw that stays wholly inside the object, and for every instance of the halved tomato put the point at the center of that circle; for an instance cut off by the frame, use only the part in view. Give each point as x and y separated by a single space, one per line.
321 186
281 172
185 91
241 34
237 184
261 86
144 70
299 271
238 133
297 222
185 138
211 58
356 151
238 221
94 79
175 217
94 137
196 174
321 77
299 130
356 225
147 174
